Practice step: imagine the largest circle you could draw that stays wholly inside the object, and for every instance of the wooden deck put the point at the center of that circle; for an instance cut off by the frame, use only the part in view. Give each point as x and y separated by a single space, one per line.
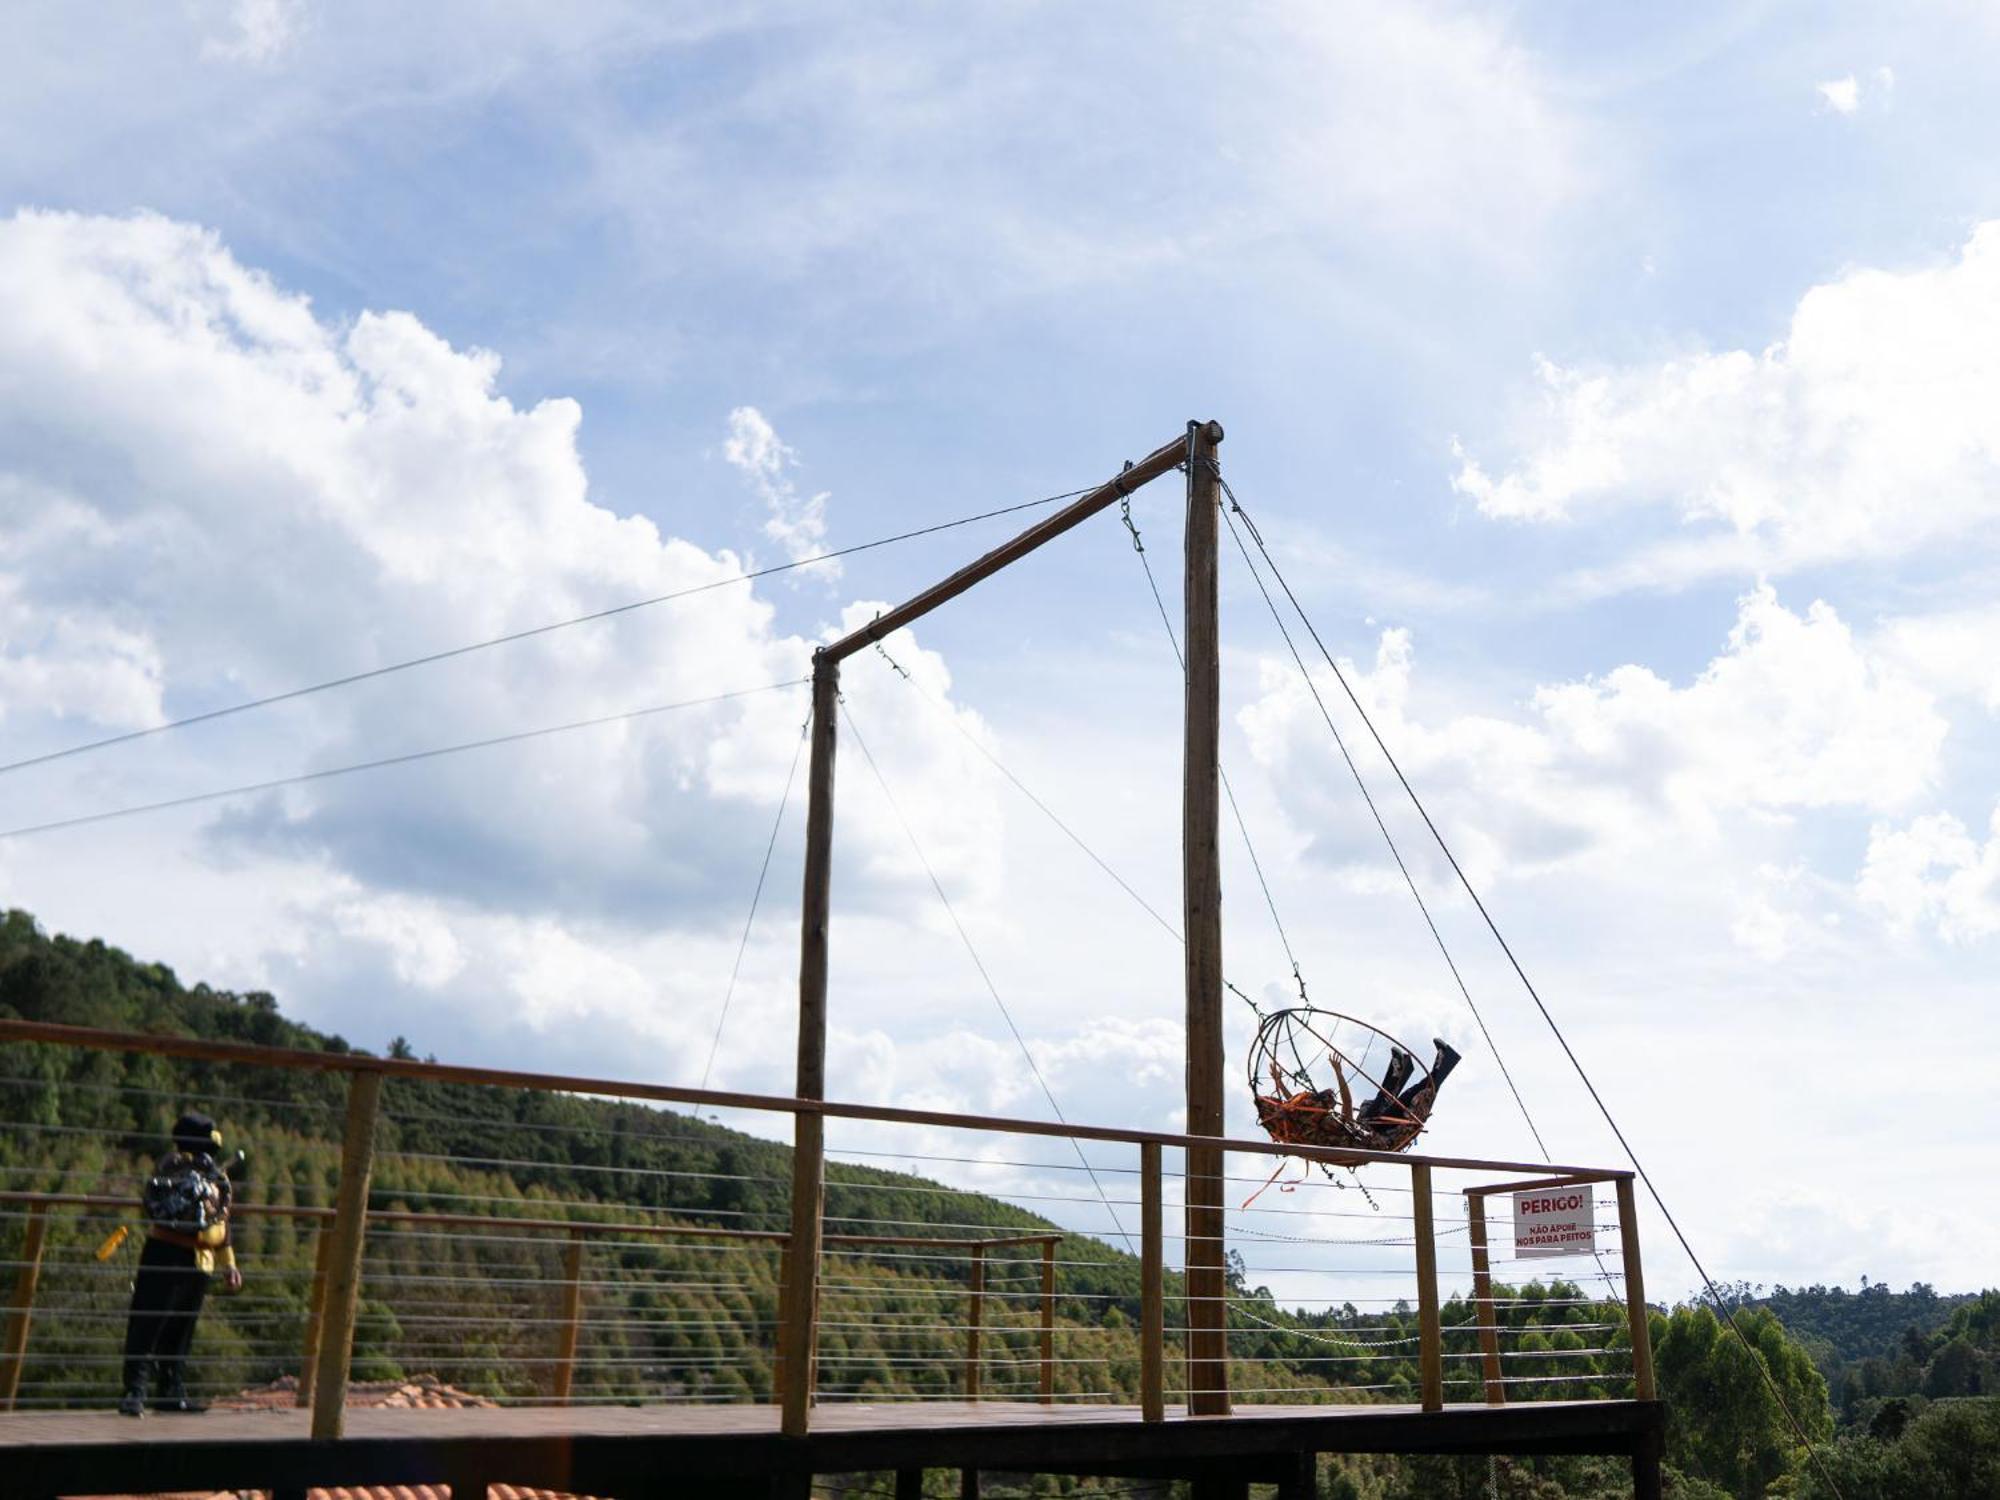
637 1452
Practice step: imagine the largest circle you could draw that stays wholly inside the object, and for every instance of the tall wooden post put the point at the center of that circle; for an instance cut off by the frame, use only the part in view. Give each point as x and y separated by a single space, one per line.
1048 1390
797 1307
315 1314
1201 884
21 1306
1430 1348
1483 1310
1635 1295
350 1226
572 1317
1152 1288
975 1321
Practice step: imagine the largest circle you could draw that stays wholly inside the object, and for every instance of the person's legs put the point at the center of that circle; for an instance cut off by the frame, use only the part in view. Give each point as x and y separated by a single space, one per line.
190 1290
145 1327
1400 1064
1418 1098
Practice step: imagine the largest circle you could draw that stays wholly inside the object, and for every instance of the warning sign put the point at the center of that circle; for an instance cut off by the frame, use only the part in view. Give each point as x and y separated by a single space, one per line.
1554 1221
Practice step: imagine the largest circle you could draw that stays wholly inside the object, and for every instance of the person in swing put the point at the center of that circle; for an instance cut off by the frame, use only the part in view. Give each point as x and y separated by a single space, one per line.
1398 1101
186 1203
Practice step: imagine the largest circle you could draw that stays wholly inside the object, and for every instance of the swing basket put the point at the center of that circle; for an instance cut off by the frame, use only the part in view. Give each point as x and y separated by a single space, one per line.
1317 1078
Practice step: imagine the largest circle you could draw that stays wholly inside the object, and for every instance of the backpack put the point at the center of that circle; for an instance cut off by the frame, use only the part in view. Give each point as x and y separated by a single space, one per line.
185 1194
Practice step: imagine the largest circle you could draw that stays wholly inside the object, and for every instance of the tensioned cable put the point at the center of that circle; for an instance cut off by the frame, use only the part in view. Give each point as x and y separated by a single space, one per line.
1388 838
756 896
1242 827
1527 984
521 635
979 964
391 760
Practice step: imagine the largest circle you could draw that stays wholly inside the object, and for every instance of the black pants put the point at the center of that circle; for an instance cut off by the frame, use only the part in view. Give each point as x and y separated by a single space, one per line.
166 1300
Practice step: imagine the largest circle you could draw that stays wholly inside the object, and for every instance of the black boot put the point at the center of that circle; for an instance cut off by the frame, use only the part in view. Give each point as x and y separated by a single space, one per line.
1447 1059
137 1378
174 1395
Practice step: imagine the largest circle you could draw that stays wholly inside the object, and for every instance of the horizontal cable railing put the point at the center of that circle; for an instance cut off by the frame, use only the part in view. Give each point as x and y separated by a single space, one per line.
537 1239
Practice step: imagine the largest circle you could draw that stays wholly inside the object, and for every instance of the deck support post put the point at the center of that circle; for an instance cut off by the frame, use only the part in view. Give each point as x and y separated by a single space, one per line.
975 1317
909 1484
1430 1350
798 1306
350 1227
1201 891
1636 1316
1482 1299
1152 1289
572 1317
315 1313
1048 1388
21 1306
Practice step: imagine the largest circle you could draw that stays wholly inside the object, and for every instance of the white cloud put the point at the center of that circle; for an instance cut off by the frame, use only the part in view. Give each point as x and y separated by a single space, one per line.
1934 873
1793 715
1866 432
796 522
212 493
1841 95
258 31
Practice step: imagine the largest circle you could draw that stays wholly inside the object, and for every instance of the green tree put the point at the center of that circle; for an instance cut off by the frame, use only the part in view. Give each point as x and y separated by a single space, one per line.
1723 1423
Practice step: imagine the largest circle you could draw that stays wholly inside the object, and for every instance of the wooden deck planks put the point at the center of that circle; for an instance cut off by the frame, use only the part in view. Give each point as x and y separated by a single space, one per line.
624 1450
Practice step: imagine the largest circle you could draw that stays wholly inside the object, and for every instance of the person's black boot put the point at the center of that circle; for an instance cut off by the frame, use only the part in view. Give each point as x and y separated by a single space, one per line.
1447 1059
174 1396
133 1402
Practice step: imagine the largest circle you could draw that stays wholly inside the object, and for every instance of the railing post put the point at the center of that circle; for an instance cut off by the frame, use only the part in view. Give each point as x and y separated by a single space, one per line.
350 1227
1430 1350
1152 1289
975 1315
1635 1293
1048 1322
778 1339
315 1313
572 1315
1482 1298
797 1310
21 1306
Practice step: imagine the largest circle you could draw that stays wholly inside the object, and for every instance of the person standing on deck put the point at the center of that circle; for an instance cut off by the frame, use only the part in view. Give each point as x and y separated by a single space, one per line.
187 1202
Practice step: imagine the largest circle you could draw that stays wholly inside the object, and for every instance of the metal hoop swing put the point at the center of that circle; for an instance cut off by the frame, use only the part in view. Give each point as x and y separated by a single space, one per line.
1312 1090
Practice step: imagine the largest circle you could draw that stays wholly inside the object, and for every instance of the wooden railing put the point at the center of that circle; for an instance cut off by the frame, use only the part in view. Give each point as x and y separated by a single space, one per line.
346 1224
38 1208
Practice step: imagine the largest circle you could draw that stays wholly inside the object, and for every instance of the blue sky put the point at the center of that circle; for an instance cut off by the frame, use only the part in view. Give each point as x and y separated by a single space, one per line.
1618 389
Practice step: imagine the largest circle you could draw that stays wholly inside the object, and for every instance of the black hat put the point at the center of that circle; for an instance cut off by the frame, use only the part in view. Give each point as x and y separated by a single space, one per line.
196 1132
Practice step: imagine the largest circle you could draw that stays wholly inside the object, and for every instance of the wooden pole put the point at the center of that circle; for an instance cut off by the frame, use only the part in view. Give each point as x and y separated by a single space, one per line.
1482 1299
21 1306
1152 1289
1201 886
315 1315
975 1316
1429 1334
1635 1295
350 1220
1048 1322
798 1306
572 1316
1162 460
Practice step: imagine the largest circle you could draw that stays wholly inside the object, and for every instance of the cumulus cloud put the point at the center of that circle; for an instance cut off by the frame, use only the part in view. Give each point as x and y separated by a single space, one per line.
213 493
1794 714
1934 873
796 522
1867 431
